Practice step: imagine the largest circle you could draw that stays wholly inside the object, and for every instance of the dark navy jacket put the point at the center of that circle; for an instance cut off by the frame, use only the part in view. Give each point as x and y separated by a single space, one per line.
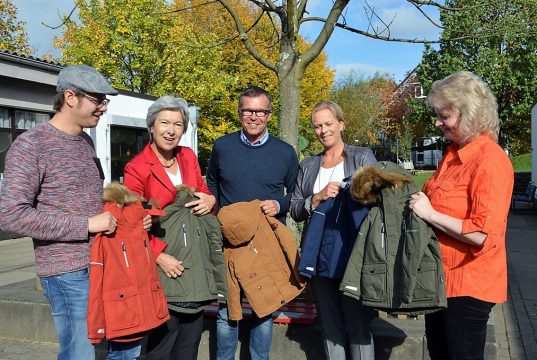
330 236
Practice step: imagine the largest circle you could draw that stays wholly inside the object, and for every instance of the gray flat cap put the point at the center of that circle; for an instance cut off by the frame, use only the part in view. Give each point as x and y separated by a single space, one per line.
84 78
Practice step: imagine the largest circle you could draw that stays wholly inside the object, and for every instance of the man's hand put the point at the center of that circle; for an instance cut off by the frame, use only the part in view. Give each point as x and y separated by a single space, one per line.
104 222
170 265
270 207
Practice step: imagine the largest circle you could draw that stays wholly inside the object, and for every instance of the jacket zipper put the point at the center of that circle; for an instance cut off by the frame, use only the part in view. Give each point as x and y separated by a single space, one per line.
124 248
184 233
146 251
382 236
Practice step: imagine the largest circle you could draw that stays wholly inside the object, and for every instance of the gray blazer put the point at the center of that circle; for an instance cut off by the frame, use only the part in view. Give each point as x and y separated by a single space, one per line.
354 158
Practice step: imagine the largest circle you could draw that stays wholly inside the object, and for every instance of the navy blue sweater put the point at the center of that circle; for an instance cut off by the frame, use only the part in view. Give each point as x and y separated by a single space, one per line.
240 172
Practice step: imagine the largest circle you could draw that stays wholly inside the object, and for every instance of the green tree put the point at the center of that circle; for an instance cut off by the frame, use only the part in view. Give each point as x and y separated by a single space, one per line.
13 36
161 47
363 101
501 48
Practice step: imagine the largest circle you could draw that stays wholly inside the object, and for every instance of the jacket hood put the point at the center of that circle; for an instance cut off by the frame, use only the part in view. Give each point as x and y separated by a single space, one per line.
368 182
185 194
120 195
240 221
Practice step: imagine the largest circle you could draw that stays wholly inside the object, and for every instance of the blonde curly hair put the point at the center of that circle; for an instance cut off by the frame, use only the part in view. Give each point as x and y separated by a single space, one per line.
467 94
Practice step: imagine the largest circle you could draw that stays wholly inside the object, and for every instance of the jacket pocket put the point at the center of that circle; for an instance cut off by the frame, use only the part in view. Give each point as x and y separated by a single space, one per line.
122 308
159 300
211 283
426 281
374 282
325 254
180 287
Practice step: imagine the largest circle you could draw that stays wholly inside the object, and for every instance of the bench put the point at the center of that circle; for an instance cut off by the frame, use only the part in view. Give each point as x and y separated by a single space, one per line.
297 311
527 197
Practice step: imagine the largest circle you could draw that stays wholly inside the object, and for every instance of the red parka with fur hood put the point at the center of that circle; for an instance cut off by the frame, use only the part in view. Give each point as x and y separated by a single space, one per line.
126 299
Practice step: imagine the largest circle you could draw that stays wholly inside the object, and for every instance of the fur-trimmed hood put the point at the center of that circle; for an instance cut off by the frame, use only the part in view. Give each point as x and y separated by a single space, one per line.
120 195
369 181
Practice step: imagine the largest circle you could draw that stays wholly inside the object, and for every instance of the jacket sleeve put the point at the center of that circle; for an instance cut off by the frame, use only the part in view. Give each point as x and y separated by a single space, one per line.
23 176
213 174
312 244
96 320
287 244
234 306
134 182
300 207
217 257
351 284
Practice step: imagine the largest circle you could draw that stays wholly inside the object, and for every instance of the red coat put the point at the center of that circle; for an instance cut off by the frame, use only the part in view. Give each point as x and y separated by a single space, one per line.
126 299
145 175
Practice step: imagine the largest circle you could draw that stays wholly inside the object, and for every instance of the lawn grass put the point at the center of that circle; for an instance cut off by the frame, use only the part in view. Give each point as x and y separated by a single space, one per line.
422 176
521 163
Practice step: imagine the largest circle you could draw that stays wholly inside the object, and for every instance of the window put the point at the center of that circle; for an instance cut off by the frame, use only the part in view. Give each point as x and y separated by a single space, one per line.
14 122
125 143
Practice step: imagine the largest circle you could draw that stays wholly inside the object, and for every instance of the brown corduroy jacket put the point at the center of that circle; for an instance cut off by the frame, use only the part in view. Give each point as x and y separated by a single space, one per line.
261 258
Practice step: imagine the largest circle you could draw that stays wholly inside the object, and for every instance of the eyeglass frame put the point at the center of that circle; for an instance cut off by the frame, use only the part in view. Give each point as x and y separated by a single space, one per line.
250 112
96 101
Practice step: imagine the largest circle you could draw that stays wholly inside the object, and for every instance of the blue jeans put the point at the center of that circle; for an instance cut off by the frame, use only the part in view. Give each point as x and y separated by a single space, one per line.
227 336
123 350
68 297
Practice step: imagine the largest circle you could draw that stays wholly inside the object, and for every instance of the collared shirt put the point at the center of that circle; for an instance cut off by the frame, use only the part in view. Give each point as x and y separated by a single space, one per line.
257 143
474 183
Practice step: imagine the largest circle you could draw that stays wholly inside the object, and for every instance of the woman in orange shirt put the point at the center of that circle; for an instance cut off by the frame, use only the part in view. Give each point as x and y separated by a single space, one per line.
467 202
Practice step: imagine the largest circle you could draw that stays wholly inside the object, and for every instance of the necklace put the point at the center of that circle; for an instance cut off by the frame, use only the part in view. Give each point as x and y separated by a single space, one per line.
169 166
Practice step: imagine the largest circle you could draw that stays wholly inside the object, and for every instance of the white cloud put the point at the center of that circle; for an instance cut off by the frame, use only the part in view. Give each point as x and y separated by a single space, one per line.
408 22
359 68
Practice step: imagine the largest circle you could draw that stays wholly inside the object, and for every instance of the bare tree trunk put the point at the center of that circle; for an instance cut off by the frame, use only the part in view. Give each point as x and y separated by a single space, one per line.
290 88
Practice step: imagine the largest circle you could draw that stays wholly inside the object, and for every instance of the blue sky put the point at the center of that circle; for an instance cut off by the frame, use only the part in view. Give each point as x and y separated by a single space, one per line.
346 51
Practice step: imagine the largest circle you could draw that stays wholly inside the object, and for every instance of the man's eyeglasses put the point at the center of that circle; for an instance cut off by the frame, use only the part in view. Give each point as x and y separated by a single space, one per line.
258 113
98 102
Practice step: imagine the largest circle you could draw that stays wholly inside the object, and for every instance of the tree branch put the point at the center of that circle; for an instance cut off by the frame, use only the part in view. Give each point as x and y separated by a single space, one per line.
326 32
64 21
244 36
190 7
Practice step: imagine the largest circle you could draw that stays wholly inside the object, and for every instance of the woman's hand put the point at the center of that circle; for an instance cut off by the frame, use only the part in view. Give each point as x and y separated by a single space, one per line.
202 206
419 202
329 191
147 222
170 265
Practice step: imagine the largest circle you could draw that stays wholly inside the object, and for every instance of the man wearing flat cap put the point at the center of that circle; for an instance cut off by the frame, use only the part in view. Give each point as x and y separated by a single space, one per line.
52 190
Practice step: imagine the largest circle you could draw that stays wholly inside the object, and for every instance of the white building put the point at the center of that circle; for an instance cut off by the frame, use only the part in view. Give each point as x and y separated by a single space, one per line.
27 88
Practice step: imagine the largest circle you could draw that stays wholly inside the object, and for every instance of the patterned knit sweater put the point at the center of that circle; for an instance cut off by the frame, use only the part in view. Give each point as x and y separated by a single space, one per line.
51 187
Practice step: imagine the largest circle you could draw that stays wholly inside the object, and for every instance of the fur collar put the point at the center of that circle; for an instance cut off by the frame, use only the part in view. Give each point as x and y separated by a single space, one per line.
368 183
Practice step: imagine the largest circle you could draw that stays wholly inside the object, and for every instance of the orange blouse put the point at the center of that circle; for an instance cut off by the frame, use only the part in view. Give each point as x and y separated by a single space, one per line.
474 184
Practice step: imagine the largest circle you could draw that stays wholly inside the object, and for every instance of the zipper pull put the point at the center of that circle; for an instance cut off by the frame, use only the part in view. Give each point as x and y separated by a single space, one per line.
382 232
184 233
146 251
124 248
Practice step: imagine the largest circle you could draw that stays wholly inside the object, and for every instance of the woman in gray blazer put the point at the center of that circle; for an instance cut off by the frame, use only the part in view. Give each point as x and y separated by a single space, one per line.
345 323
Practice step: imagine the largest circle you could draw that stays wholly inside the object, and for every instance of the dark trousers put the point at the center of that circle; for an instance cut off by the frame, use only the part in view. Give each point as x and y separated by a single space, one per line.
178 338
460 331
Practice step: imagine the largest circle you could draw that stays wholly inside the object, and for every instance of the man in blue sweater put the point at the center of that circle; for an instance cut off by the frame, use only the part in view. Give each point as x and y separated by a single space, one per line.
246 165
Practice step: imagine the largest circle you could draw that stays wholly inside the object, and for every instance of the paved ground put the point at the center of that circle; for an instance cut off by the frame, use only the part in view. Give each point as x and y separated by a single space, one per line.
515 321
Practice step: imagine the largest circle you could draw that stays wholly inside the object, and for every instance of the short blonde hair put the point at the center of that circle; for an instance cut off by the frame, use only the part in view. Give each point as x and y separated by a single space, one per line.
467 94
328 105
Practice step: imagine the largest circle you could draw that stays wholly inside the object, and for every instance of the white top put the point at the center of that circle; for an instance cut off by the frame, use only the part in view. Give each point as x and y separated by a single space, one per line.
176 179
336 173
